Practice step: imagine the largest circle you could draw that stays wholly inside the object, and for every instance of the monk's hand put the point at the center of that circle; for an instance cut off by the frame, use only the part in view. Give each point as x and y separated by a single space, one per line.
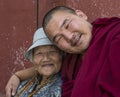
12 85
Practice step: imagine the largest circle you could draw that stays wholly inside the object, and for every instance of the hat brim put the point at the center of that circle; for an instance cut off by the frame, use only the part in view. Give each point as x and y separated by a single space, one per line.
40 42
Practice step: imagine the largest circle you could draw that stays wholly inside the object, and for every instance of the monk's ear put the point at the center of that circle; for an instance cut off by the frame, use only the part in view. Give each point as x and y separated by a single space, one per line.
81 14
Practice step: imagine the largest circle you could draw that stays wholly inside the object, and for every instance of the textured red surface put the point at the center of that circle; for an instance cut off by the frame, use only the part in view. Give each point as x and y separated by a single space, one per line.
18 23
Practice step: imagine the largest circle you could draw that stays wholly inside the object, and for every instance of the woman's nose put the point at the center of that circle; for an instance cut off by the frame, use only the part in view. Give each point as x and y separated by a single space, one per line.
46 56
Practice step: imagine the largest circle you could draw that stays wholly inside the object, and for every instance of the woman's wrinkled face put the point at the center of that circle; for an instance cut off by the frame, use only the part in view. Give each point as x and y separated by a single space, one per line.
47 60
70 32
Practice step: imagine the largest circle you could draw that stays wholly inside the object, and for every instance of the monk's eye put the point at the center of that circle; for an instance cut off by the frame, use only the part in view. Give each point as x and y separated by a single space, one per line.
67 26
58 38
67 23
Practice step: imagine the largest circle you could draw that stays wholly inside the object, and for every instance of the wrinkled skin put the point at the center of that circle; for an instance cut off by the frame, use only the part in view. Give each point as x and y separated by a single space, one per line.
12 86
47 61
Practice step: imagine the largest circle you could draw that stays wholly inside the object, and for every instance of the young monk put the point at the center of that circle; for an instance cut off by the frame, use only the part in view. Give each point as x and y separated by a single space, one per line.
94 68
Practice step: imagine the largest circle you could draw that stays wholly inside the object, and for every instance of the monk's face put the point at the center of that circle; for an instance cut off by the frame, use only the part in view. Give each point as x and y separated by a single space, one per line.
70 32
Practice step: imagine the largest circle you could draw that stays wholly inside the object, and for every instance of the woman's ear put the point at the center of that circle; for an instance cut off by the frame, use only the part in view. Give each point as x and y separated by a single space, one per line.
81 14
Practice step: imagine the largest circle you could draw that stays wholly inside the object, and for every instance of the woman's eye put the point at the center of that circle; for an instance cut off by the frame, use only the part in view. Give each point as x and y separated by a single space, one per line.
38 54
53 52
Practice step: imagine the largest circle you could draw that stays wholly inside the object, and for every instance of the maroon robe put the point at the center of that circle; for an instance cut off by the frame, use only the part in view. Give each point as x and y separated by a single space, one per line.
98 74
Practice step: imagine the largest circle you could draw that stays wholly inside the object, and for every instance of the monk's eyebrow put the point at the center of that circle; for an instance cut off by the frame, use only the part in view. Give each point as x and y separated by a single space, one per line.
64 22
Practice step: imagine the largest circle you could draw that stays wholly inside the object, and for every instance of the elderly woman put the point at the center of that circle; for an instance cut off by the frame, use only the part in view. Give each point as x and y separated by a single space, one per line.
47 60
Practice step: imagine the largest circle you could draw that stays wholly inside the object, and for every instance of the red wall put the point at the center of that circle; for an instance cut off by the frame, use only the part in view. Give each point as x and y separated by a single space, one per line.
93 8
97 8
17 24
19 20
